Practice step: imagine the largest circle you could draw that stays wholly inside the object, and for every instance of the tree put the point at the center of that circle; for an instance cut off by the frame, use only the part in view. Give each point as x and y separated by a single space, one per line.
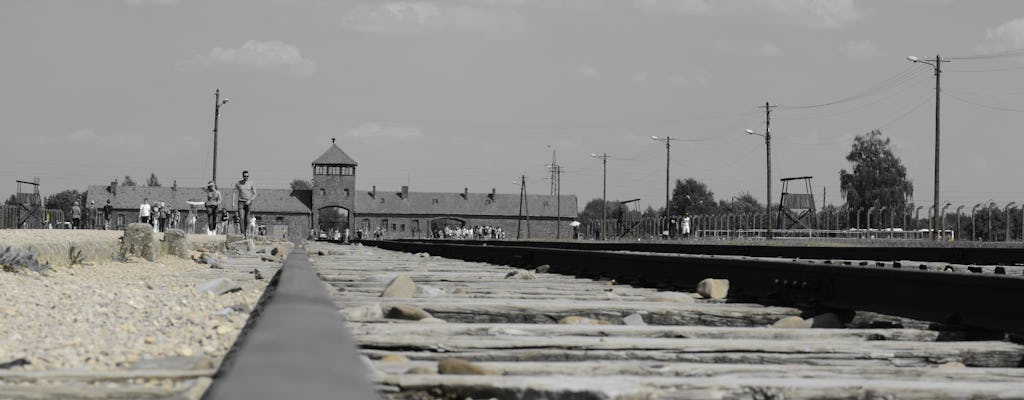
616 210
300 184
878 177
152 181
745 203
128 181
691 197
12 201
63 201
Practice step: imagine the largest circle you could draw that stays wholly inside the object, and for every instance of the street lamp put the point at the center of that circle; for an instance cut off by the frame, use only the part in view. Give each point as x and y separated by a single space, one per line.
217 102
1007 212
768 175
935 63
944 217
604 194
974 222
991 205
958 232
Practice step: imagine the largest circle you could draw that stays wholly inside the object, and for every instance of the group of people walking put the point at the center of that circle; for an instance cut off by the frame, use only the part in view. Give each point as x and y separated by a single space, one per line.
245 193
90 217
163 217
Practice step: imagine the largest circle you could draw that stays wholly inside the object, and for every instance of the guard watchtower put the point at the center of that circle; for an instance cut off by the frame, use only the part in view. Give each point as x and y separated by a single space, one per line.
795 209
30 204
334 186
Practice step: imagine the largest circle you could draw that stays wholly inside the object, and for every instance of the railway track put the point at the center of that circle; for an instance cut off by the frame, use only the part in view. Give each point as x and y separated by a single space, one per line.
483 329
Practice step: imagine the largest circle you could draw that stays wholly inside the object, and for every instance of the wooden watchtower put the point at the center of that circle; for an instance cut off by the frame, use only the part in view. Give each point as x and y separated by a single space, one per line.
795 209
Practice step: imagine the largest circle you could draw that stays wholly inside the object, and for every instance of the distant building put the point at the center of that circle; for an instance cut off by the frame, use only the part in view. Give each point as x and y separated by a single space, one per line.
333 202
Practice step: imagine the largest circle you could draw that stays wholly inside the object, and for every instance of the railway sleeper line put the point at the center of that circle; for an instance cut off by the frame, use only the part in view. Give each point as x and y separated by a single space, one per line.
508 330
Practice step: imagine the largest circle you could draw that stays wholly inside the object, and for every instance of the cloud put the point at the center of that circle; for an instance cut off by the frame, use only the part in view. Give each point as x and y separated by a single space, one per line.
81 135
152 2
1005 37
586 72
679 79
423 18
272 56
859 49
766 49
818 14
694 78
375 130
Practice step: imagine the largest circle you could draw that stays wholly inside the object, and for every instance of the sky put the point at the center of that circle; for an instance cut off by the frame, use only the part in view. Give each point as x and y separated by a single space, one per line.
445 95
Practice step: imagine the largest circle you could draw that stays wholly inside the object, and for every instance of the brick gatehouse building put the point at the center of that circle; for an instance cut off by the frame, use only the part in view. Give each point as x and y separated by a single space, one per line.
294 214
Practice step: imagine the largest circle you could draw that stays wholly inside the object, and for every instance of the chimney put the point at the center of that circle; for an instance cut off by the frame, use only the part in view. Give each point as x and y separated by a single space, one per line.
113 187
465 193
175 186
373 194
492 194
405 192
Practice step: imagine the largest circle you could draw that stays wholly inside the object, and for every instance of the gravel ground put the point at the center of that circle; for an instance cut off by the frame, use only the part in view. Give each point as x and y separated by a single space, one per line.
113 315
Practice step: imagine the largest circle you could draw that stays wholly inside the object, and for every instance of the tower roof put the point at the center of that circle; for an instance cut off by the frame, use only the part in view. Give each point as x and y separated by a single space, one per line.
334 155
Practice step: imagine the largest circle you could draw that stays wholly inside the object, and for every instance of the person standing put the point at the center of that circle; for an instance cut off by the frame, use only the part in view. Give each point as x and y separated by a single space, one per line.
145 210
212 203
108 210
245 193
90 215
76 216
190 221
162 215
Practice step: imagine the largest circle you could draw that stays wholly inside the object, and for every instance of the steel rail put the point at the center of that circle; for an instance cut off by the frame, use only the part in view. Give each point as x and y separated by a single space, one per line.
953 255
980 301
298 346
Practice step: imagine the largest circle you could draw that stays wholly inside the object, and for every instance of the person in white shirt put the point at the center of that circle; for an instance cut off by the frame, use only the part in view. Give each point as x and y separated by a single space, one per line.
145 211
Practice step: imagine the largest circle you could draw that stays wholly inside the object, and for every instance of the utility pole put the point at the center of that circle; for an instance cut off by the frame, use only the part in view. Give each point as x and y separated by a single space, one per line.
604 194
523 202
522 193
768 151
935 63
558 202
668 155
216 119
556 190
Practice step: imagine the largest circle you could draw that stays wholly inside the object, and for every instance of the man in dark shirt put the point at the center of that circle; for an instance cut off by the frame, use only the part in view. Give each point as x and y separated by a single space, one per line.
107 211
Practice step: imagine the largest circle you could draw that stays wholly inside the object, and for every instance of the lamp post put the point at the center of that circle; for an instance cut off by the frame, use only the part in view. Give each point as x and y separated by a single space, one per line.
668 154
768 174
958 232
990 207
935 63
217 102
604 194
1007 212
943 231
974 222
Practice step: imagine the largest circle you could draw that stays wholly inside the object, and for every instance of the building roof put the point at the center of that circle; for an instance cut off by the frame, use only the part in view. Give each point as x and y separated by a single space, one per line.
470 204
267 200
334 155
367 203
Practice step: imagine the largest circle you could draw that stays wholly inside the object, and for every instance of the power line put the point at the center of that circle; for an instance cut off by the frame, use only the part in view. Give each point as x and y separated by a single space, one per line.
991 56
889 83
891 121
984 105
904 90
